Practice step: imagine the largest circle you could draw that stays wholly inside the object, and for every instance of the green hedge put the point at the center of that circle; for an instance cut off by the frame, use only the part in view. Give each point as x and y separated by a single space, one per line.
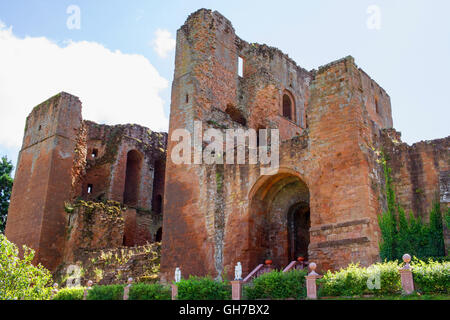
143 291
196 288
277 285
356 281
70 294
111 292
431 277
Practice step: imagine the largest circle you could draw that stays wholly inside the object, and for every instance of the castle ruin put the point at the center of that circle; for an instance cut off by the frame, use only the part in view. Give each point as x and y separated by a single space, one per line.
321 204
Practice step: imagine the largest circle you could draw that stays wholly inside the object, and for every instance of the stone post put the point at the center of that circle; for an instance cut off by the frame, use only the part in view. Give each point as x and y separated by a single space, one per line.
126 290
407 276
174 291
311 286
236 290
89 287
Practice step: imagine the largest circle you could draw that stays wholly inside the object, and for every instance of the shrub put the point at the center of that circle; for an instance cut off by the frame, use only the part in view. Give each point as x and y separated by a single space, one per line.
144 291
19 278
70 294
277 285
110 292
196 288
357 281
431 277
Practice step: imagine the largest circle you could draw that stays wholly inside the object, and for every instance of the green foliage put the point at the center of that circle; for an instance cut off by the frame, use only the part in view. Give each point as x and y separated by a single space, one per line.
19 278
6 183
196 288
111 292
277 285
432 277
400 235
378 279
154 291
70 294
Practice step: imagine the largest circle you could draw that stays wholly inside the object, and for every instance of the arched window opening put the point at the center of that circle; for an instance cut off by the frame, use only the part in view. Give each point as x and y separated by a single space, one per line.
158 236
132 178
236 115
288 107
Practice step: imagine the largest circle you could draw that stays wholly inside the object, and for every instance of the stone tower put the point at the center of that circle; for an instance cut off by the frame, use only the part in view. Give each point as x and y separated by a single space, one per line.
43 179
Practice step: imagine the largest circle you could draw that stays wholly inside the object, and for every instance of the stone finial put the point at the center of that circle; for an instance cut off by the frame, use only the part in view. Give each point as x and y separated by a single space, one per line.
238 272
312 267
406 259
177 275
90 284
130 281
55 288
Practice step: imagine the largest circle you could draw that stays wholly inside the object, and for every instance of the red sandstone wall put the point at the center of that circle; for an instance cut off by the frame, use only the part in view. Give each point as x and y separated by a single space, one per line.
43 179
419 171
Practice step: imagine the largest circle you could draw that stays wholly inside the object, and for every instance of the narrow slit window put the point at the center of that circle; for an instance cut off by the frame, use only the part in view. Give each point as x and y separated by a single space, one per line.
240 66
377 107
90 188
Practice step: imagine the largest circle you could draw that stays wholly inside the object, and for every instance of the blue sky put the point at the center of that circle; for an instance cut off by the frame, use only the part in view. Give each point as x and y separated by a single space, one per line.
408 56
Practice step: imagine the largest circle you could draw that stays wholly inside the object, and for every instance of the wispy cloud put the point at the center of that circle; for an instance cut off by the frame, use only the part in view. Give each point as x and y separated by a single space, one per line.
163 43
114 87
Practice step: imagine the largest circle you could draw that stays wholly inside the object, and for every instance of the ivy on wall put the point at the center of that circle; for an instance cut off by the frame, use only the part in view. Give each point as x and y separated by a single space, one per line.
400 235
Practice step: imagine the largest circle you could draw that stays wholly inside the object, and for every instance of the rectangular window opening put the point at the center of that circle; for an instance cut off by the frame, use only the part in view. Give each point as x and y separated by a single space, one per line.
94 153
240 66
89 188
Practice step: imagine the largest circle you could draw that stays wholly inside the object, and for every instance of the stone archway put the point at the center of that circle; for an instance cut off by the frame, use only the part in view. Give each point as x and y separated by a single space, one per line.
279 220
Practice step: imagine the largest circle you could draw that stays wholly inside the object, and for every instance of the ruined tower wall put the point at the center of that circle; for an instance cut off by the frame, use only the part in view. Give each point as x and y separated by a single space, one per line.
421 172
210 210
43 179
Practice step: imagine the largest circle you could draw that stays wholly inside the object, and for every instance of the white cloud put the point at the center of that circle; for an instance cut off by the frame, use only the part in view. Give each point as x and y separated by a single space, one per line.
163 43
113 87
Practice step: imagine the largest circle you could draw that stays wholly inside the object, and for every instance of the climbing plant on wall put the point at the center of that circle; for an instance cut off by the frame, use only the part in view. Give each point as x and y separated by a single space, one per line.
400 234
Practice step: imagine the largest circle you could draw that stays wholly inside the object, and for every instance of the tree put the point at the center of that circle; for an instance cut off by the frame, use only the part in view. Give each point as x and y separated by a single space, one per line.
6 183
19 278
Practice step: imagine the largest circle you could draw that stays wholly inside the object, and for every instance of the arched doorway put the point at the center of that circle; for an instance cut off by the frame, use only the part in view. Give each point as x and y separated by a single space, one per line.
132 178
279 220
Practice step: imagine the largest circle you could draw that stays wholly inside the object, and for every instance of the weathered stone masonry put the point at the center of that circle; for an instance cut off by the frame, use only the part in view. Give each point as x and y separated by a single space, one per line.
322 203
64 159
329 190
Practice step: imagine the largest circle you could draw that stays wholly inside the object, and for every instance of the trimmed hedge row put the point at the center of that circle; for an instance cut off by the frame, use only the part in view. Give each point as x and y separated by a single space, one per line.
196 288
70 294
277 285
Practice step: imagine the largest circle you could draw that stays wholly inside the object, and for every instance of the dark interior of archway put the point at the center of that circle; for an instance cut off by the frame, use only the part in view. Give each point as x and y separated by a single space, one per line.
298 231
132 179
158 236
